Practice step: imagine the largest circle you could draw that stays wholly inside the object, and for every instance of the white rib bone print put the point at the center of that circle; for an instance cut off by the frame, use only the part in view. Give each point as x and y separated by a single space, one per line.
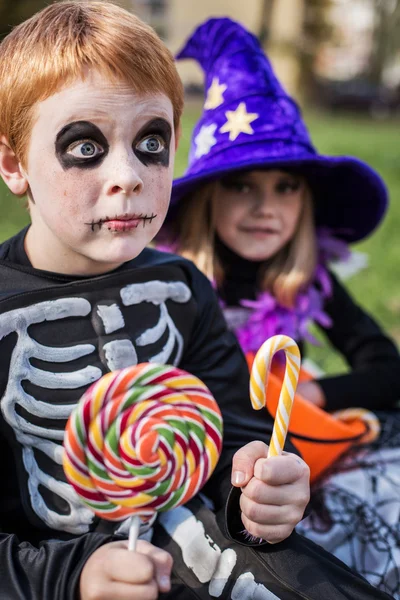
119 353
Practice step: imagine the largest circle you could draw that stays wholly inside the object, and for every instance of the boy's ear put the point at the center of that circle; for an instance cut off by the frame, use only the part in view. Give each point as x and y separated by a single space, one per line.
178 133
11 169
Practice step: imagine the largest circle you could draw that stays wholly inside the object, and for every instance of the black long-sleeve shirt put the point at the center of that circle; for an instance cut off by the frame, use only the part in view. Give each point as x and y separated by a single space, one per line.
373 381
38 558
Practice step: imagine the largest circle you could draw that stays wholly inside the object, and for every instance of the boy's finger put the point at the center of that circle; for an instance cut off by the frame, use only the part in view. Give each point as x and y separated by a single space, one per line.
162 562
244 460
125 591
281 470
125 566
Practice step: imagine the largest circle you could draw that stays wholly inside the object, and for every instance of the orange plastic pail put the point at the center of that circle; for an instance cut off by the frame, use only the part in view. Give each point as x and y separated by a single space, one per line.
319 436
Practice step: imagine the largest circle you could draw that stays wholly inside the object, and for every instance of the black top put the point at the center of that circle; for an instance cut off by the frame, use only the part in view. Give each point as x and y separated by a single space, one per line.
374 360
55 340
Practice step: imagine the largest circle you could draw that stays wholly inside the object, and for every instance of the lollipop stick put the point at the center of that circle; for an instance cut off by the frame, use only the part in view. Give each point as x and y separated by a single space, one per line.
133 532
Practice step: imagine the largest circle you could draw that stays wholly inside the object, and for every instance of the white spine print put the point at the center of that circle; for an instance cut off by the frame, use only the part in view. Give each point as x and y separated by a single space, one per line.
158 292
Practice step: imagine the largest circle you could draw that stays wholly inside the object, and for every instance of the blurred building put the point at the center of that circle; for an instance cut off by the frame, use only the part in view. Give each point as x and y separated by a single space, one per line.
359 66
347 55
308 41
278 23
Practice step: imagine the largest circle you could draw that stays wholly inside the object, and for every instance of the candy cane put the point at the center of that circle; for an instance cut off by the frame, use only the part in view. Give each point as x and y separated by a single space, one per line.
258 384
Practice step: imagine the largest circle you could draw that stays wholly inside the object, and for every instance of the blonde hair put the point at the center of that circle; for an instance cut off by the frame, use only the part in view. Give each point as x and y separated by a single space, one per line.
59 43
290 270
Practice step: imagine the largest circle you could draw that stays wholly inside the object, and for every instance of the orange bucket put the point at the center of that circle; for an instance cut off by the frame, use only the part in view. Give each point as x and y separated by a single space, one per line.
319 436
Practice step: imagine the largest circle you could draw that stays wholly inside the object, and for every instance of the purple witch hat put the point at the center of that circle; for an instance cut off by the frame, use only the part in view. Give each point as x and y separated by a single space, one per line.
250 122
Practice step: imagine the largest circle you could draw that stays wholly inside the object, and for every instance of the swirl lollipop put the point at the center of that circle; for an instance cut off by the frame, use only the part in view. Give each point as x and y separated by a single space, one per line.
141 440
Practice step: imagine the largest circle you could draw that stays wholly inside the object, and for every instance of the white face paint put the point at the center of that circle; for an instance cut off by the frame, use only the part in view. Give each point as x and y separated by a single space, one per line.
99 168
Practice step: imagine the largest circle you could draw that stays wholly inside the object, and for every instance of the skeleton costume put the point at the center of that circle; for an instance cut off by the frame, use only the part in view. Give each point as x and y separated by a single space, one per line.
58 334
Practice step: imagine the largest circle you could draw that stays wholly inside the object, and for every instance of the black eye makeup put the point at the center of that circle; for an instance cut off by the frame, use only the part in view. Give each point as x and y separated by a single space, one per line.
80 144
152 143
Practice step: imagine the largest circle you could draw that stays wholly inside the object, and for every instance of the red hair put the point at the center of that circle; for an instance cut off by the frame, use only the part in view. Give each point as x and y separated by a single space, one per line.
61 42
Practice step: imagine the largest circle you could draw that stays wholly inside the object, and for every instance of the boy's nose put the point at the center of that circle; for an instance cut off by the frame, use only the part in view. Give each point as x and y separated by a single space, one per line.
128 188
124 179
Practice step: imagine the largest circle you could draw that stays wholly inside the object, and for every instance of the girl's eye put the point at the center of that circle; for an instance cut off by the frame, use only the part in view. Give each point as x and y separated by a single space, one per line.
240 187
152 144
288 186
85 149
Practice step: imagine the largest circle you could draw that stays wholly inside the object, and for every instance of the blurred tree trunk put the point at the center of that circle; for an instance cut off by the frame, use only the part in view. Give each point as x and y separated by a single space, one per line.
317 28
265 21
13 12
386 37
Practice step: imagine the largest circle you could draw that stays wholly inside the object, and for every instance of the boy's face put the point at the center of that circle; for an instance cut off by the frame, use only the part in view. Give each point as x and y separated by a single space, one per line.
99 168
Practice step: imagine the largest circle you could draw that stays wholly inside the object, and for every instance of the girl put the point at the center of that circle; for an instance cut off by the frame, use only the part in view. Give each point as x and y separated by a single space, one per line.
261 213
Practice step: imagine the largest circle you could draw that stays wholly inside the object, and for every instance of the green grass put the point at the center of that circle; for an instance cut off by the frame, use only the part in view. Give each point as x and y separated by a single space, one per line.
377 288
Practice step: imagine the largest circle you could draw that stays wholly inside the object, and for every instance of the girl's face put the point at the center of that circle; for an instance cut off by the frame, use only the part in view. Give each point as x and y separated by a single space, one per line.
256 213
99 169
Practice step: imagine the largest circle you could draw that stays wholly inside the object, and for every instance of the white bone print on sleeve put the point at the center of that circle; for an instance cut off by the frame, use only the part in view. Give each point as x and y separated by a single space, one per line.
205 558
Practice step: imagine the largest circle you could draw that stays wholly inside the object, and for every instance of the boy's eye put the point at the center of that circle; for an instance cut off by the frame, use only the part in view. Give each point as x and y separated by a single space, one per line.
85 149
152 144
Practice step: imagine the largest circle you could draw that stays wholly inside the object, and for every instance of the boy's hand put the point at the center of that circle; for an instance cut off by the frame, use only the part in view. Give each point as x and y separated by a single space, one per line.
114 573
275 491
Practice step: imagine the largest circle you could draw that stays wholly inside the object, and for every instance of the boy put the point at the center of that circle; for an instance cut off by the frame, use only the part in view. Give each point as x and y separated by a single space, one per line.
90 110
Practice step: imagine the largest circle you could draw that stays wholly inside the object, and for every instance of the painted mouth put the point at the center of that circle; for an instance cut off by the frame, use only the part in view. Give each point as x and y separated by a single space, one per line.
123 222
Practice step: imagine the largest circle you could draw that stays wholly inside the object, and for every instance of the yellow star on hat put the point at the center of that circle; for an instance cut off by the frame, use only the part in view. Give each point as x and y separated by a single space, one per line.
238 121
215 94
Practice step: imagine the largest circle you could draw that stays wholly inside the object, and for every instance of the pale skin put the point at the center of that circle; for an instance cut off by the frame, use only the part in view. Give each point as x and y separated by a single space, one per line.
115 573
275 491
256 214
98 174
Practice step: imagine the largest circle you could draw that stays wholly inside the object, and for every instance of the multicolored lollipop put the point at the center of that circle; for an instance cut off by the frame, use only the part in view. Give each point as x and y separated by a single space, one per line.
141 440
